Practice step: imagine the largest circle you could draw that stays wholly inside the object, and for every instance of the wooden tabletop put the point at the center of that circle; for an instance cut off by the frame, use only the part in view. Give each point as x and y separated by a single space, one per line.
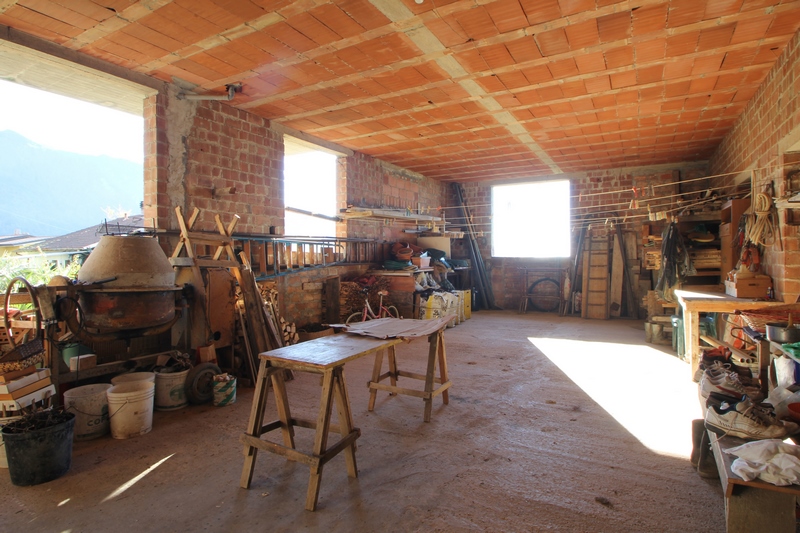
327 352
722 303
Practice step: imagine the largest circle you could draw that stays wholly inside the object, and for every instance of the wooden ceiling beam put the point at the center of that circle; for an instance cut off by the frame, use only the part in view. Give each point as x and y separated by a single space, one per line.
535 120
552 83
113 24
509 37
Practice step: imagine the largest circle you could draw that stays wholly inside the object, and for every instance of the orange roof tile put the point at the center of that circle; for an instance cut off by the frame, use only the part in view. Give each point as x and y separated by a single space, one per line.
614 27
582 34
552 42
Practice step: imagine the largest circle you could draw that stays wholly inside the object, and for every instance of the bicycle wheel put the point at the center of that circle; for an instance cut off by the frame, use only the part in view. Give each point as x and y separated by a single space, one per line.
392 311
544 295
356 317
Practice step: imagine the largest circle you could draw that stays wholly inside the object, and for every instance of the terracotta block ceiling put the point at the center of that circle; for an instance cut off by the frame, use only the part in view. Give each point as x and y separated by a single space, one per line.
454 89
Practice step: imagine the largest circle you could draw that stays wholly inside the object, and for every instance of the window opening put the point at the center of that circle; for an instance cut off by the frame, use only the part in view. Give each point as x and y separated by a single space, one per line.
531 220
309 190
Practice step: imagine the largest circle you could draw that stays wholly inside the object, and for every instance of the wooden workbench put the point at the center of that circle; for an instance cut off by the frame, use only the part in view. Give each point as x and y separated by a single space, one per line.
327 356
694 303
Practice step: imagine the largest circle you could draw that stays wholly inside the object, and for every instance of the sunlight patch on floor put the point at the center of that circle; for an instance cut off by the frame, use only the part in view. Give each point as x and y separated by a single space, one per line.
648 392
125 486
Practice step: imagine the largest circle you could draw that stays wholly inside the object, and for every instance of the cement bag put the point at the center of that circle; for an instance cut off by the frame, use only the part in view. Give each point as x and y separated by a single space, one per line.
432 307
451 307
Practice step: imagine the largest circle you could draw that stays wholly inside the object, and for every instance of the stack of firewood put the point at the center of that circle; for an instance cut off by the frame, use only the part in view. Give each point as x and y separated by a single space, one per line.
289 330
351 295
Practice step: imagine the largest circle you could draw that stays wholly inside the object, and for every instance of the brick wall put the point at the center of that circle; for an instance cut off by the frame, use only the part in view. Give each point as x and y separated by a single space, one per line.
757 144
196 152
369 183
156 200
508 275
301 293
768 118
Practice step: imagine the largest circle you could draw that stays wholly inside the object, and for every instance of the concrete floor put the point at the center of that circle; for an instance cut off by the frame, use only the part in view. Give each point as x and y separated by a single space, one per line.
523 445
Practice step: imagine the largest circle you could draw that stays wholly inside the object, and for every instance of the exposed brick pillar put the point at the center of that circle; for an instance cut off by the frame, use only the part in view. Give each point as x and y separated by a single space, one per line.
156 149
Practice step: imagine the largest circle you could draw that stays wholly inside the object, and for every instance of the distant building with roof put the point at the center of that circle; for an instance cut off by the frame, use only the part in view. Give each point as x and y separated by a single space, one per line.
12 243
76 246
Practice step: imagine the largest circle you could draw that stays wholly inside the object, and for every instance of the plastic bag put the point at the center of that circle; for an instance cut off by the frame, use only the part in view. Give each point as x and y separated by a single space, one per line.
784 370
779 398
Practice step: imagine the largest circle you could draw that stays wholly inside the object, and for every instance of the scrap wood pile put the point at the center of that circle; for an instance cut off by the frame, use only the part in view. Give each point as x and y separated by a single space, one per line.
270 295
351 294
263 328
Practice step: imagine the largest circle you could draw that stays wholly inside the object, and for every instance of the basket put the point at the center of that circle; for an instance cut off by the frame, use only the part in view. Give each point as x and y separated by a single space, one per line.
20 364
758 319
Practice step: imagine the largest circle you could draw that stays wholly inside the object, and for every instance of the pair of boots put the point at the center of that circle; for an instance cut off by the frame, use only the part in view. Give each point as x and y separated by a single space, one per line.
702 457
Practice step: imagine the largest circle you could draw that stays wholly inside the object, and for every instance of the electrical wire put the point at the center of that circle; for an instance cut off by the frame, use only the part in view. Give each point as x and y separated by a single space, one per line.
628 189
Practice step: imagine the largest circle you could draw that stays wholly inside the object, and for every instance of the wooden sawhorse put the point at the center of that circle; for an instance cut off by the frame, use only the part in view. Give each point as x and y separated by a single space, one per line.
326 356
436 352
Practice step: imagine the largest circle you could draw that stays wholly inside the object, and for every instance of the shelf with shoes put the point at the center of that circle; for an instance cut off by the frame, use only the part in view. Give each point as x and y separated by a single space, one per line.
734 422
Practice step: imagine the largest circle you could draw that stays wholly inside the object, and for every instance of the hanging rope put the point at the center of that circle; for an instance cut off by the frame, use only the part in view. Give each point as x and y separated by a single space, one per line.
761 230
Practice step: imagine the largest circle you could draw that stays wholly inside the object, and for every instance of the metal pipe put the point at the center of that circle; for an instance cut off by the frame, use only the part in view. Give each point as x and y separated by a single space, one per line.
232 90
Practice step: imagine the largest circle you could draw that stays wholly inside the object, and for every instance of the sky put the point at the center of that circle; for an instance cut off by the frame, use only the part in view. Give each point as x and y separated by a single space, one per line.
70 125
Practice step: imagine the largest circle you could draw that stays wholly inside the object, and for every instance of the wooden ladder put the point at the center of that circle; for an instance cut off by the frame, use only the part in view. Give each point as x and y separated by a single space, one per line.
595 275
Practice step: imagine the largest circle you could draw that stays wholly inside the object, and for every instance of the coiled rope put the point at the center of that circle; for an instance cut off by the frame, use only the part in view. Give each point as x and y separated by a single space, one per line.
760 227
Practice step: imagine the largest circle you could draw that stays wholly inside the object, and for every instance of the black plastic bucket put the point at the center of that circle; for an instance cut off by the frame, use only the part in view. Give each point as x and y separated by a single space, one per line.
39 455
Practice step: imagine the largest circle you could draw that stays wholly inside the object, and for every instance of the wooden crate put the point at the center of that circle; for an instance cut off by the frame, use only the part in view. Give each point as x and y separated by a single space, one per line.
748 287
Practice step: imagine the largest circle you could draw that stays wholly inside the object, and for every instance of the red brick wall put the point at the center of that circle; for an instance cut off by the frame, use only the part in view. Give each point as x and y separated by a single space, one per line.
195 150
769 116
757 144
301 293
508 274
156 201
371 184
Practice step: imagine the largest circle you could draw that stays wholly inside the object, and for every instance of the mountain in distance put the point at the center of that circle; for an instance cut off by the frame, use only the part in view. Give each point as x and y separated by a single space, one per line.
48 192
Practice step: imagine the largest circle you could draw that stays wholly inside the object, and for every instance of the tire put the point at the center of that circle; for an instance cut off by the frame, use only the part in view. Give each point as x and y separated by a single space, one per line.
355 317
200 383
544 295
393 312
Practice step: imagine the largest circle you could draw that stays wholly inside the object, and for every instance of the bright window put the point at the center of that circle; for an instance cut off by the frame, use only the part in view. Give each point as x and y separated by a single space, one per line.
309 191
531 220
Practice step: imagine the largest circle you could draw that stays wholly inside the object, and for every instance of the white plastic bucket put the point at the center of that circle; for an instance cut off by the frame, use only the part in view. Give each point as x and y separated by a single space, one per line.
90 405
133 376
171 390
224 392
130 408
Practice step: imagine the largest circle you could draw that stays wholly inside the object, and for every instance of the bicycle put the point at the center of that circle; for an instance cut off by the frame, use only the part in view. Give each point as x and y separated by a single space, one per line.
368 314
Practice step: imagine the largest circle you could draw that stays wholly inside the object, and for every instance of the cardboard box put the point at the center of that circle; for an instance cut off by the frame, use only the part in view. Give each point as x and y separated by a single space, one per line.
25 401
24 391
82 362
749 287
206 354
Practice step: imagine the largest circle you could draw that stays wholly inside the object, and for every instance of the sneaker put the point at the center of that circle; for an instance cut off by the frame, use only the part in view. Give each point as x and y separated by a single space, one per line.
745 378
727 384
722 358
740 419
766 412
